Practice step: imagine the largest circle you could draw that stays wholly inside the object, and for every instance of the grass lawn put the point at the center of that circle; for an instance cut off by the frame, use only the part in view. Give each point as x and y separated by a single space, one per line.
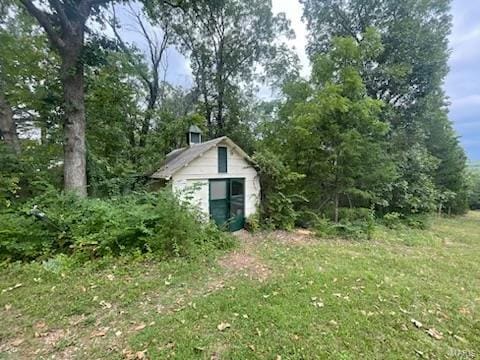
405 294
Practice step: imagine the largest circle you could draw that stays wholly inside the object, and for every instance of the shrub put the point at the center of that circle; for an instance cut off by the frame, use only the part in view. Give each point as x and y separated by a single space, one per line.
155 222
355 223
252 223
278 191
395 220
391 220
418 221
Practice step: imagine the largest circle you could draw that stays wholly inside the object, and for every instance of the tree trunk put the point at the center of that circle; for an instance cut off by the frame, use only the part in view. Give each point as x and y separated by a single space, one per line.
336 208
75 161
145 129
220 121
65 28
153 88
8 128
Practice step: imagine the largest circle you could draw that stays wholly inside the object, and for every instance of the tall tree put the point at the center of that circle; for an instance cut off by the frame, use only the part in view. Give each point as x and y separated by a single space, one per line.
149 71
414 35
408 76
8 127
334 134
65 25
25 64
227 41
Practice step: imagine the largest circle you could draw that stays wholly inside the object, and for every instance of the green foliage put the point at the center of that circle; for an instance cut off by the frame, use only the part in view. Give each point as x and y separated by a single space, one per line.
354 223
332 131
474 189
252 223
155 223
394 220
279 194
391 220
227 42
414 190
406 72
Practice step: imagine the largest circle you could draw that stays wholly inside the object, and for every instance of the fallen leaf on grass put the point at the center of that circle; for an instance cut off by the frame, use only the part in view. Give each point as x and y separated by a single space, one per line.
251 347
435 334
139 327
16 286
98 333
417 323
140 355
17 342
223 326
419 353
459 338
464 311
40 325
105 305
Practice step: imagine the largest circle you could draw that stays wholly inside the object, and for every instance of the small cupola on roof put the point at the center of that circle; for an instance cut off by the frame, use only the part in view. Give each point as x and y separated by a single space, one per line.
194 135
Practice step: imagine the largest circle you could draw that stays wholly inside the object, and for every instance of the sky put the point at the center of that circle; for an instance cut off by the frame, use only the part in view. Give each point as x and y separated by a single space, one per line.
462 85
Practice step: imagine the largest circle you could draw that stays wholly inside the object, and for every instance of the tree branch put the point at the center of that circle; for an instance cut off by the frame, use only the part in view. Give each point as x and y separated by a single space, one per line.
59 8
42 18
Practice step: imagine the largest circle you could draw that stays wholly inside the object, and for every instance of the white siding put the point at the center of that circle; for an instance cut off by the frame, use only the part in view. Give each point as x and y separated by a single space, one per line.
193 179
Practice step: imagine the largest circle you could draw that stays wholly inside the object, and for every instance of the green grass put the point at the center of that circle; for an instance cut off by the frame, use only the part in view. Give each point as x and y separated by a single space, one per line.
370 291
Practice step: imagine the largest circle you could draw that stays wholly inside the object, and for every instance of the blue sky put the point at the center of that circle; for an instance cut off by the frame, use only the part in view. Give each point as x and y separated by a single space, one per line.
462 84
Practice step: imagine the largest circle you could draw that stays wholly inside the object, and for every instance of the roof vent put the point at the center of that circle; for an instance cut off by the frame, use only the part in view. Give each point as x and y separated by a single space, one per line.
194 135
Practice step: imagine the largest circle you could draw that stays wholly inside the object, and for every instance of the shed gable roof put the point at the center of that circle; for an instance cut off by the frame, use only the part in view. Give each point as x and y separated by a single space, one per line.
180 158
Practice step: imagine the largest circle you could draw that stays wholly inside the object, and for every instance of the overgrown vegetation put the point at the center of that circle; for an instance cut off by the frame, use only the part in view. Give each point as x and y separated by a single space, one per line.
365 139
154 223
474 195
332 297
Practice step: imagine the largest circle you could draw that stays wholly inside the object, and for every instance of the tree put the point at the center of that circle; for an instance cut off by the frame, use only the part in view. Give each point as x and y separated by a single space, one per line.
474 188
334 133
157 41
414 34
65 25
227 41
23 61
408 76
8 127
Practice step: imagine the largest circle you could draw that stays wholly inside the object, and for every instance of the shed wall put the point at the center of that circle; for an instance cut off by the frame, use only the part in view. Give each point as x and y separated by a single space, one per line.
191 182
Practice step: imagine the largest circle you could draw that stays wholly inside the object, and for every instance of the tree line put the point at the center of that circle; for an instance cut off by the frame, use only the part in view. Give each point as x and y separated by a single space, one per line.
84 110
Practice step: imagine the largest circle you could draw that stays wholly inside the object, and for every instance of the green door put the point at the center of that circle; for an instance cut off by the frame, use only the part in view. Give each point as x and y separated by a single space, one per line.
227 203
219 202
237 204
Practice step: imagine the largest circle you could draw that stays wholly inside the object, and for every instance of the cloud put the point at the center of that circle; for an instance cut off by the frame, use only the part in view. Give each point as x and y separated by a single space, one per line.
463 82
294 11
467 101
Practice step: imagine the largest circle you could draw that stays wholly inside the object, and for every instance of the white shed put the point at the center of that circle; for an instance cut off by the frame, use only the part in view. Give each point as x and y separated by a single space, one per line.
216 176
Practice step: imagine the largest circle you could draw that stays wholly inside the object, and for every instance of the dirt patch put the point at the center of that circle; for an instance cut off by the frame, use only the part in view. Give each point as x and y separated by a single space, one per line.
247 265
299 237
